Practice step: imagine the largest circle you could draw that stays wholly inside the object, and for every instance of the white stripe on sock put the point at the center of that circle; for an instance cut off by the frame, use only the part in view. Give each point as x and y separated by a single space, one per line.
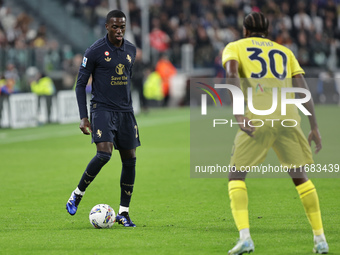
123 209
244 233
79 192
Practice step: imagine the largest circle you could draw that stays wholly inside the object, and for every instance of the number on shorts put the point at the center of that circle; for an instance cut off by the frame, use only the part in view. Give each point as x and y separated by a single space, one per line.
136 131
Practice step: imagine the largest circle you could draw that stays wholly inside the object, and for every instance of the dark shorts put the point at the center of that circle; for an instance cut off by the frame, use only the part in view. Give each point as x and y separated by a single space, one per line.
119 128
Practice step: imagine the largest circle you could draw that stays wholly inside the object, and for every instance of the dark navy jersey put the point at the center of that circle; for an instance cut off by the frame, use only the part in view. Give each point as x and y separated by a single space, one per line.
111 70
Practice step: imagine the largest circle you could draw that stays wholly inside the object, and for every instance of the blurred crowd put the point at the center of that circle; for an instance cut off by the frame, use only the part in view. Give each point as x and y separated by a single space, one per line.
24 43
310 28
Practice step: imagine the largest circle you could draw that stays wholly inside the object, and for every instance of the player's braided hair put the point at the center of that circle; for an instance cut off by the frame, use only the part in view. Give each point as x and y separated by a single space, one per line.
115 14
256 23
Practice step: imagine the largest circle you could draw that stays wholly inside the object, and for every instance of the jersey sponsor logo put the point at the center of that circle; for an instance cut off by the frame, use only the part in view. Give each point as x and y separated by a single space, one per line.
128 58
99 133
106 53
84 62
107 59
120 69
119 80
260 88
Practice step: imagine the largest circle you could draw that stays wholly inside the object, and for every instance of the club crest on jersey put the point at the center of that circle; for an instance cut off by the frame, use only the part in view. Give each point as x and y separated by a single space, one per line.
107 59
120 69
128 58
84 62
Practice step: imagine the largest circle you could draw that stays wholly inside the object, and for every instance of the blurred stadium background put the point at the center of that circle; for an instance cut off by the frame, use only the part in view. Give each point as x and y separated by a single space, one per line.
46 39
175 214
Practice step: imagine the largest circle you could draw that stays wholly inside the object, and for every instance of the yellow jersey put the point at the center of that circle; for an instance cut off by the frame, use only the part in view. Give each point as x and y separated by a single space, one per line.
264 65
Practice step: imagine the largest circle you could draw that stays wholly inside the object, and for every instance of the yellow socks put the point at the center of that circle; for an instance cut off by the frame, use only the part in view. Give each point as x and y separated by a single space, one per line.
309 198
239 203
310 201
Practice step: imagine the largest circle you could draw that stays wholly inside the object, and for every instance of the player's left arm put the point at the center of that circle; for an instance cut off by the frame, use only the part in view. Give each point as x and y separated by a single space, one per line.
314 135
134 59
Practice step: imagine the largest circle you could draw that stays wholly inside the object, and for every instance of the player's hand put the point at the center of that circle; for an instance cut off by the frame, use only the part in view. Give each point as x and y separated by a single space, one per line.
245 128
85 126
314 135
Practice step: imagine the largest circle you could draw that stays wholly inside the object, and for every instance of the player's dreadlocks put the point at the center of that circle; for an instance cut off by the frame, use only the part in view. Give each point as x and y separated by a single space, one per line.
256 23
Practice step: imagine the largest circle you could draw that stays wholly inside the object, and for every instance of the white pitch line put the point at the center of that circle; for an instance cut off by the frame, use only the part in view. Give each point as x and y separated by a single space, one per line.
34 137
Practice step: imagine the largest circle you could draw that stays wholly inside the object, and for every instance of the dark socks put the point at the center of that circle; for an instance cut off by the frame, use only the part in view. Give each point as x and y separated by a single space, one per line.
93 169
127 181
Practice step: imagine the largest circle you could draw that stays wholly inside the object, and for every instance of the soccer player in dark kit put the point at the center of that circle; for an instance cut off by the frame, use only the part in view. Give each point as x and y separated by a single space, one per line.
112 123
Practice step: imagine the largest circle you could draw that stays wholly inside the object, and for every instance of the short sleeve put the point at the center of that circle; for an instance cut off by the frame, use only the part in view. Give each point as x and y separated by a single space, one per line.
229 53
134 58
295 66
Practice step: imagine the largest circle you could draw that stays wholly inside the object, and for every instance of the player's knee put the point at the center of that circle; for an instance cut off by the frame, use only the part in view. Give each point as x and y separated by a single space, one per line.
104 156
130 162
127 154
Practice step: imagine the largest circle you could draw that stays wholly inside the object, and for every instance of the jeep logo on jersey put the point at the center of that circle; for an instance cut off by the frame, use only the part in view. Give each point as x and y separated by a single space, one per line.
120 69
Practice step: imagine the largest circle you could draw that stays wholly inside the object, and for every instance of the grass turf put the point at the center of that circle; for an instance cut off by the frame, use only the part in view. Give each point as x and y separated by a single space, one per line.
174 214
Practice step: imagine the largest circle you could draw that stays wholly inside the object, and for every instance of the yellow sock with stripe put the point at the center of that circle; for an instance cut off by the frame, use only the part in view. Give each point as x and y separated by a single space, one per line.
310 201
239 203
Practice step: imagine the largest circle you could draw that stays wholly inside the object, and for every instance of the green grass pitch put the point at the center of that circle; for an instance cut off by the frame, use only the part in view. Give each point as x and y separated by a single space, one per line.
174 214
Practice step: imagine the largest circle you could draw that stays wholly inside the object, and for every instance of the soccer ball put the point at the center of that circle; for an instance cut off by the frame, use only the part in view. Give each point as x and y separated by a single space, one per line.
102 216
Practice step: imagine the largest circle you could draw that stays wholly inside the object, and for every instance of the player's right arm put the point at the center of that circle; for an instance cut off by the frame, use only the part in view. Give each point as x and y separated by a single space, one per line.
85 71
314 135
85 125
233 78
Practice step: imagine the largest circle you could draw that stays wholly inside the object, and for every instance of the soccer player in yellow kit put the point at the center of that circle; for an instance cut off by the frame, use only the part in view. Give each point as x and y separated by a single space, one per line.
262 64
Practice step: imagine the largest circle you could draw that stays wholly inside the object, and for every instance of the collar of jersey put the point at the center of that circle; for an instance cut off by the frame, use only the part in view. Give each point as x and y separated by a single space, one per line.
112 47
258 36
